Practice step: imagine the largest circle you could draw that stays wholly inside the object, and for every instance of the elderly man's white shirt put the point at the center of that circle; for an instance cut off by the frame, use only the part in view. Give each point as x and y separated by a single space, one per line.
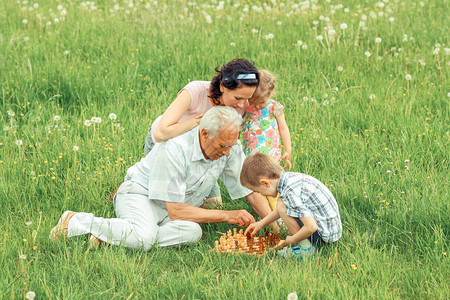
177 171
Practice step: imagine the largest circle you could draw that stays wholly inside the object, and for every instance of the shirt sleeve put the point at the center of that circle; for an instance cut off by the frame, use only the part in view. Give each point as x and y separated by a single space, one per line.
194 89
294 207
167 179
231 173
276 106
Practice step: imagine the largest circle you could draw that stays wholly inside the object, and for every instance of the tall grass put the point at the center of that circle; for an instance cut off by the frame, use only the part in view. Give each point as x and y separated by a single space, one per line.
368 118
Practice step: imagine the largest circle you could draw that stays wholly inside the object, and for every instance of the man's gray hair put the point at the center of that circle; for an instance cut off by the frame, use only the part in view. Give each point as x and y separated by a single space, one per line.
217 118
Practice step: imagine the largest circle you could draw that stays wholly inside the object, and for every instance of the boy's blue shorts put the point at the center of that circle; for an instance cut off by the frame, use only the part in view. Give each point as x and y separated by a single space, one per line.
314 238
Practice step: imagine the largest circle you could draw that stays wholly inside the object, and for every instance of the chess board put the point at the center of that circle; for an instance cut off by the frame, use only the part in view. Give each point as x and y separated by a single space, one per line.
235 242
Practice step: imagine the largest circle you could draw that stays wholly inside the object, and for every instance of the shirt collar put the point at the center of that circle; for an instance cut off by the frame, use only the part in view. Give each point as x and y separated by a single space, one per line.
197 154
282 183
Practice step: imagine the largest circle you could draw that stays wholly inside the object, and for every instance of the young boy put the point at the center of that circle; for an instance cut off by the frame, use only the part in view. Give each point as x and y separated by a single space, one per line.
305 205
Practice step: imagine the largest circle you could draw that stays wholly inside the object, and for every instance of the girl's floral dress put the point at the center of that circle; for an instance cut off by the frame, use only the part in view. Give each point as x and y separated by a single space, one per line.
261 130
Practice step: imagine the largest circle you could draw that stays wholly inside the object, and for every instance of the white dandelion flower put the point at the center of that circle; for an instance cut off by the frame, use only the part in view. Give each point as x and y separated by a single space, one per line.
299 43
254 30
269 36
319 37
22 256
378 40
388 171
87 123
408 77
19 142
304 46
112 116
6 128
26 39
28 223
340 68
67 52
11 113
372 96
367 53
56 118
331 32
292 296
75 148
448 94
25 21
232 44
30 295
343 26
391 19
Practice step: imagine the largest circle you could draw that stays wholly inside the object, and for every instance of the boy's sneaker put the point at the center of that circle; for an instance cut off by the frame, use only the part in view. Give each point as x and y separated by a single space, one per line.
297 252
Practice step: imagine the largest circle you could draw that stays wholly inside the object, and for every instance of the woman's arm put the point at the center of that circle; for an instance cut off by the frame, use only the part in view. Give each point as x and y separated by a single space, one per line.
169 126
285 137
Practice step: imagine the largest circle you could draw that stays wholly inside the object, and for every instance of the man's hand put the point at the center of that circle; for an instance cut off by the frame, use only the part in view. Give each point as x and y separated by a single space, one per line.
241 217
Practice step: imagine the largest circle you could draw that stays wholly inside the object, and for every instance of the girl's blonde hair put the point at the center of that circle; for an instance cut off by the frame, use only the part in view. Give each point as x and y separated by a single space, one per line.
257 166
266 85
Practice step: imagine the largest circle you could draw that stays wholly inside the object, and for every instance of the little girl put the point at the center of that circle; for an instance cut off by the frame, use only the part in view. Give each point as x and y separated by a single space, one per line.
264 124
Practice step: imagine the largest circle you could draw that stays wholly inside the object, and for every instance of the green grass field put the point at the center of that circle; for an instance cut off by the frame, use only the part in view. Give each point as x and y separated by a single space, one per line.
366 95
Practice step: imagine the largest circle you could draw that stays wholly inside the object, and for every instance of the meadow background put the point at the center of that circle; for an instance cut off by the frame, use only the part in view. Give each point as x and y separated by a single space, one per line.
366 95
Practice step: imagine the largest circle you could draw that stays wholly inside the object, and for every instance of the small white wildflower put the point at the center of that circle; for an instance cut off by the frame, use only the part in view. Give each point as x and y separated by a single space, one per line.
319 37
343 26
60 7
63 12
334 90
26 39
299 43
67 52
232 44
448 94
391 19
379 163
279 23
340 68
304 46
30 295
315 22
377 40
372 96
28 223
22 256
436 51
35 5
408 77
305 98
75 148
325 103
269 36
55 20
6 128
292 296
406 161
11 113
254 30
422 63
19 142
25 21
407 168
87 123
388 171
56 118
367 53
112 116
331 32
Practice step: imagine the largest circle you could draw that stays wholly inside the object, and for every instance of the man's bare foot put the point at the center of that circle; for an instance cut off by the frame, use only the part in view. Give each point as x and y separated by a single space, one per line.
94 242
60 230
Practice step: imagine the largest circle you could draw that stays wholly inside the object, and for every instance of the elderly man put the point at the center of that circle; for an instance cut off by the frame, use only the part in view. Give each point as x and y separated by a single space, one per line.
159 201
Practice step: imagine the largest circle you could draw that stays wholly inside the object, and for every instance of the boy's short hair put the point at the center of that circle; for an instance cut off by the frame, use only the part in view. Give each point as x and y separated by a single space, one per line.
258 165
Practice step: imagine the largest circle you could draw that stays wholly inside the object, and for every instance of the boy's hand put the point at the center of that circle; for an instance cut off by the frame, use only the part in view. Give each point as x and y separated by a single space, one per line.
287 158
253 228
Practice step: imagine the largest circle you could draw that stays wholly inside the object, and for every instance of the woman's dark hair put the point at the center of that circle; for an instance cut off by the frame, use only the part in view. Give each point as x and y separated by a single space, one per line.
228 74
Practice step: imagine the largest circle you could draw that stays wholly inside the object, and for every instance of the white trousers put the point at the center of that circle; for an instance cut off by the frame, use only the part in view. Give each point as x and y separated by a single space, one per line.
140 222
